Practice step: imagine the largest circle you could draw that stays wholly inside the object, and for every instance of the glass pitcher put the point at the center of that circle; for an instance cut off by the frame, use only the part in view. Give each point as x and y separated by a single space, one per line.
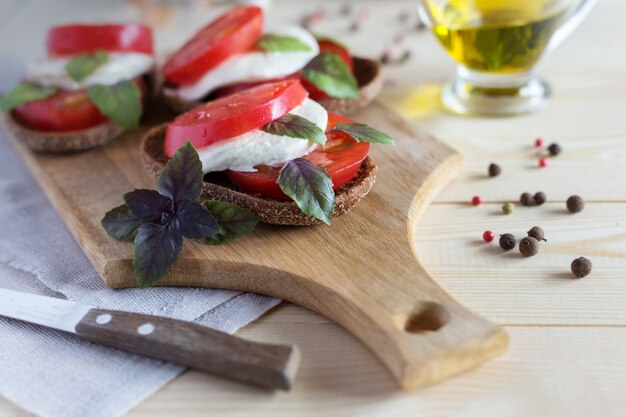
497 44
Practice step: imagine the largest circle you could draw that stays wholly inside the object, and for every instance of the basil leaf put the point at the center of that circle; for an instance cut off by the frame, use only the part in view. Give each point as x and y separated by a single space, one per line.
82 66
364 133
25 92
156 249
120 102
310 187
121 224
329 73
234 221
182 176
298 127
272 42
148 205
193 221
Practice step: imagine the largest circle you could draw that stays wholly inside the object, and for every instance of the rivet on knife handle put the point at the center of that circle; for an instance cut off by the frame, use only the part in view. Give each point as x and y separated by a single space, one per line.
198 347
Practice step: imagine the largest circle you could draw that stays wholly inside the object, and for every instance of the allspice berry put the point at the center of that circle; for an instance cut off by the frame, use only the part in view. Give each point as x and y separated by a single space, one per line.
526 199
529 246
575 204
554 149
494 170
508 208
581 267
507 241
537 233
539 198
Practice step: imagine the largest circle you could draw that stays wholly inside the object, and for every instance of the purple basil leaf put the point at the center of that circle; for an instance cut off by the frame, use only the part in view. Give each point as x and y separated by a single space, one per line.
298 127
156 249
193 221
364 133
310 187
148 205
121 224
234 221
182 176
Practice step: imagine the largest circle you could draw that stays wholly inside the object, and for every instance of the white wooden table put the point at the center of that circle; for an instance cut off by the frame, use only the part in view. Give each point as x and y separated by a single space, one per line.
567 355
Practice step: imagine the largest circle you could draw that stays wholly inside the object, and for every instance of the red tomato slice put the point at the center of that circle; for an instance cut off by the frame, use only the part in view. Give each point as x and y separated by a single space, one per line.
342 158
63 111
232 33
235 88
233 115
77 39
327 45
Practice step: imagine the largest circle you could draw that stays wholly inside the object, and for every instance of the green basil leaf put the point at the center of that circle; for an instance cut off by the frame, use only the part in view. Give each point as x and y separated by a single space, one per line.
148 205
156 249
298 127
234 221
182 176
120 102
329 73
310 187
24 92
272 42
193 221
82 66
121 224
364 133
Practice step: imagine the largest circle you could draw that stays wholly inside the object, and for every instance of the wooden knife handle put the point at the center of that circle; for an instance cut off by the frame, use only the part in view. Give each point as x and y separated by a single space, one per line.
198 347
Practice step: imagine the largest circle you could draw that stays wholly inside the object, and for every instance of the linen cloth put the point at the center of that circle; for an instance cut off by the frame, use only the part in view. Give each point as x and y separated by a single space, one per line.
54 374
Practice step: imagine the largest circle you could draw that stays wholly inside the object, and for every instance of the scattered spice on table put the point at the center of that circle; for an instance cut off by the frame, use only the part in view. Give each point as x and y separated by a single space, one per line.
494 170
538 143
543 162
528 246
538 233
507 241
539 198
488 236
526 199
554 149
575 204
476 200
508 208
581 267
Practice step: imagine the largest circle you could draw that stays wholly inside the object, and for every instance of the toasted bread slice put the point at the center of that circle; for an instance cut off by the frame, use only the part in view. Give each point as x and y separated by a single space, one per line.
367 72
282 212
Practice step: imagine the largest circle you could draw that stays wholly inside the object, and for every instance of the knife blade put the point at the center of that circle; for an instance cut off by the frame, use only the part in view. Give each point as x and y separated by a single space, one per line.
271 366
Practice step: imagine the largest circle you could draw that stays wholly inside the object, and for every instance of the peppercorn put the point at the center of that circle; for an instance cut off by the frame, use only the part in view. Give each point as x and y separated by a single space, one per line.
538 143
488 236
476 200
537 233
554 149
543 162
575 204
581 267
508 208
526 199
507 241
529 246
539 198
494 170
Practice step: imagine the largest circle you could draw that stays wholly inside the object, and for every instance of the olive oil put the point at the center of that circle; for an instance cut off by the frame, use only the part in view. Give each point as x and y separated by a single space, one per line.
498 36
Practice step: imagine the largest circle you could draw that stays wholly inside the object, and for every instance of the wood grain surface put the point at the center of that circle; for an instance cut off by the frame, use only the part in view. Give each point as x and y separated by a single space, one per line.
567 336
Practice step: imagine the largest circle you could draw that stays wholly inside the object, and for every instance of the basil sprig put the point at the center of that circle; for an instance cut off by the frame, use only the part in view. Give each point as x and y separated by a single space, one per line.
364 133
120 102
329 73
157 221
295 126
272 42
25 92
82 66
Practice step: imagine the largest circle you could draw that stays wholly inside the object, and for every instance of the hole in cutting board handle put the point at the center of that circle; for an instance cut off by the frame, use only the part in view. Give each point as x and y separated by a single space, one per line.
427 316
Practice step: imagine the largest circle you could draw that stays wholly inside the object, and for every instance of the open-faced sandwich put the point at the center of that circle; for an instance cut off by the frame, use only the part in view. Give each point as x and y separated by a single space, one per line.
91 87
273 150
236 51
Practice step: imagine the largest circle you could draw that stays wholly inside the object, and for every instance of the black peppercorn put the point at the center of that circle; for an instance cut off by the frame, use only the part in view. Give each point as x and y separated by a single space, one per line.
529 246
507 241
581 267
537 233
554 149
494 170
539 198
526 199
575 204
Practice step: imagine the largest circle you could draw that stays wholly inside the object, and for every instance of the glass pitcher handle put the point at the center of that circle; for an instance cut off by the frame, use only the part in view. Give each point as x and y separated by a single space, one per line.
573 20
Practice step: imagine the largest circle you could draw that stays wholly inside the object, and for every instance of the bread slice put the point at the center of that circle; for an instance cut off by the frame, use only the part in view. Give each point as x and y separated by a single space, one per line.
367 72
282 212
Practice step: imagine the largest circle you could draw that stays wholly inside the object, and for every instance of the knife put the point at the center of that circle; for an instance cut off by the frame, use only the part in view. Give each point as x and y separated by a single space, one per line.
268 365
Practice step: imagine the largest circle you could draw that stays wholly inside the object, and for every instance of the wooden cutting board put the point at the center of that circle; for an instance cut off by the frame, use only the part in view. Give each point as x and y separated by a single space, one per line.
361 272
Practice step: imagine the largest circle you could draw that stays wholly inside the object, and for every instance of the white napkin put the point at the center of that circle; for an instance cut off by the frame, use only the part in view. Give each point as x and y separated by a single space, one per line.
53 374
